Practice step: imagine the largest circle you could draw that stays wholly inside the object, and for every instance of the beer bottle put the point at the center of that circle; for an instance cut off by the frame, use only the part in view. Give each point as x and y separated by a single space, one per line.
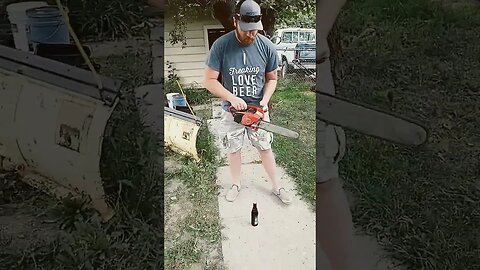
254 215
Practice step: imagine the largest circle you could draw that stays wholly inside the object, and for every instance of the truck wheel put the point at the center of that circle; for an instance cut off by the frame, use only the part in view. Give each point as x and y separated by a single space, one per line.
284 69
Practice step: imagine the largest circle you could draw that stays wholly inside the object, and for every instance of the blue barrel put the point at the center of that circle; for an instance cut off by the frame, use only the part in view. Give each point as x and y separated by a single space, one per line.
47 26
178 101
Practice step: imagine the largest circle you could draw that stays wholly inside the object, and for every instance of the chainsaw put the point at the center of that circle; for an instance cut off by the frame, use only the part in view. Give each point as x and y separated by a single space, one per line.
369 120
252 118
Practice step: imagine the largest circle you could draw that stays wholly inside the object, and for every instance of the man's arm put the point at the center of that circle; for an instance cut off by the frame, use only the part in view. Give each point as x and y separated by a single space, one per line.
216 88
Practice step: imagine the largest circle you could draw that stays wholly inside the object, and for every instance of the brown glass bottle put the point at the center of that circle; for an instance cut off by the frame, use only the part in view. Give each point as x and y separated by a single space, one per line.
254 215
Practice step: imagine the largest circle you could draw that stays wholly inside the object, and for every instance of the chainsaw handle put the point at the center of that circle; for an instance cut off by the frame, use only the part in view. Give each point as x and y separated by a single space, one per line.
232 109
248 117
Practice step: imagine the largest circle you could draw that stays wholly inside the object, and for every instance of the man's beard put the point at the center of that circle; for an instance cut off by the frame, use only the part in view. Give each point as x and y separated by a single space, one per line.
246 40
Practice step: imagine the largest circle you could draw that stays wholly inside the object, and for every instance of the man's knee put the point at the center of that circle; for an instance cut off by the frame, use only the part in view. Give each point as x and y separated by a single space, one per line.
263 150
265 153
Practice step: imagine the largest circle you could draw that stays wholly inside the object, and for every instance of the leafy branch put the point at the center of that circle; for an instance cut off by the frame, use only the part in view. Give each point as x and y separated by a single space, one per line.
283 12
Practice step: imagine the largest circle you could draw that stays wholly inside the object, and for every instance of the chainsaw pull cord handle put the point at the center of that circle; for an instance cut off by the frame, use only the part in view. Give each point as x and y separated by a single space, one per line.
232 109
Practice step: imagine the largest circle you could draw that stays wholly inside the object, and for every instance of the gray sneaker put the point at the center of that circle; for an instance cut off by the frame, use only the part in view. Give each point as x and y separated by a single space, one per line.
232 193
283 195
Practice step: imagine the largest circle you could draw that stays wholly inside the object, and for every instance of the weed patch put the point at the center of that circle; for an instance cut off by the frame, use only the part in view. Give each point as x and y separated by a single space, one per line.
193 234
294 108
422 204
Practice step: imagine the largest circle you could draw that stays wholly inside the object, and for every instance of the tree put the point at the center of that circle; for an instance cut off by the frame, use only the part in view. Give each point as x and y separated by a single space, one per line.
184 11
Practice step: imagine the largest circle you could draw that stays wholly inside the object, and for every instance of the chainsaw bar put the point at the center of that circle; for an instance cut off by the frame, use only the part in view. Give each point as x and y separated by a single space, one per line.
277 129
252 118
368 120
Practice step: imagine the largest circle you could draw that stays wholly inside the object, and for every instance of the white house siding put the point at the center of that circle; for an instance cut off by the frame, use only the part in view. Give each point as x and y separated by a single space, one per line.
189 61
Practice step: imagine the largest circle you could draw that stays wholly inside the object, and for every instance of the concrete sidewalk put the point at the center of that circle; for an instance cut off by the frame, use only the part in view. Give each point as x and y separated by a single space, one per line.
285 235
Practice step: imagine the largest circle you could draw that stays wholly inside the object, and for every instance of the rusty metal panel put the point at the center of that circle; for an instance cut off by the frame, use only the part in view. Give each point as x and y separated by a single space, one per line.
10 89
54 136
66 84
67 77
181 132
55 67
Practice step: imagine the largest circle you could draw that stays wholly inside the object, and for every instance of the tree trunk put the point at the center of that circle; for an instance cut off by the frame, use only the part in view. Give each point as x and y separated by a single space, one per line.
268 21
223 12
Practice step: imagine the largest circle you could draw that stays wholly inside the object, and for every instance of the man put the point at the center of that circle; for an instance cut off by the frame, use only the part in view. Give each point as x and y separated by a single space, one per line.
334 221
248 66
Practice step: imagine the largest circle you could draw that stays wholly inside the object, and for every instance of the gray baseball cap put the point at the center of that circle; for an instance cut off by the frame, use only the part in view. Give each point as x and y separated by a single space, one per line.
250 16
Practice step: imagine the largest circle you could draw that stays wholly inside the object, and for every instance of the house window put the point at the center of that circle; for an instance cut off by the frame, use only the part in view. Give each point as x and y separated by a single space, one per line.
306 36
287 37
213 34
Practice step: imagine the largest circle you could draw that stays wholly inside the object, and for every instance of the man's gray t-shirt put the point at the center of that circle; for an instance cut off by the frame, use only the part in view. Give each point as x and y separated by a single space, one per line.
243 67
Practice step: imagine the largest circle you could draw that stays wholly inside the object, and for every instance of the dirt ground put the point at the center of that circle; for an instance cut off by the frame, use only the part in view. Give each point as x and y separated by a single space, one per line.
23 227
25 219
180 208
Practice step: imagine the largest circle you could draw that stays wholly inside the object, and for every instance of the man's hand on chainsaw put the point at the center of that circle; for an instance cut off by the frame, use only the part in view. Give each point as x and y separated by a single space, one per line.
264 105
239 104
249 117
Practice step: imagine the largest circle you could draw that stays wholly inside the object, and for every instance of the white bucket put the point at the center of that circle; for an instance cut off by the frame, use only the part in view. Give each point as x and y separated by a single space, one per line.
18 20
170 99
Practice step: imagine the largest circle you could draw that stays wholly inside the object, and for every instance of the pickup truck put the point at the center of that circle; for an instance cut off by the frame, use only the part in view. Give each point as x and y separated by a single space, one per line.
287 42
304 56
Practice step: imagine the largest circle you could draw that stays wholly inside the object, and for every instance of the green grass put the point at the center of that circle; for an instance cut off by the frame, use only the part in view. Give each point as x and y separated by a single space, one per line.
192 208
197 96
133 238
421 203
293 106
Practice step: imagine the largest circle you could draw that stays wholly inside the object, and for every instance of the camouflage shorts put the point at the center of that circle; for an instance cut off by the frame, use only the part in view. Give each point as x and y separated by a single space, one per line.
233 135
